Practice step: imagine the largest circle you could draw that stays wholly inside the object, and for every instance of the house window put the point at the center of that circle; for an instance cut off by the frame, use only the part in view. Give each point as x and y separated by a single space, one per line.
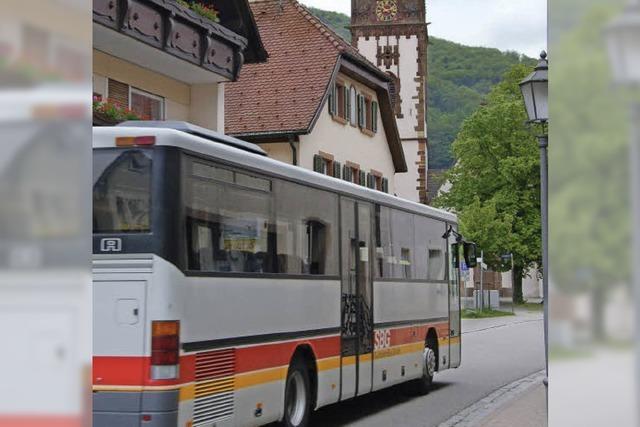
339 103
147 106
367 115
325 164
351 172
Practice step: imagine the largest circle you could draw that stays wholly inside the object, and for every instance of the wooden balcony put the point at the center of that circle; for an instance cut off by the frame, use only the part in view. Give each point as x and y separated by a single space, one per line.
167 28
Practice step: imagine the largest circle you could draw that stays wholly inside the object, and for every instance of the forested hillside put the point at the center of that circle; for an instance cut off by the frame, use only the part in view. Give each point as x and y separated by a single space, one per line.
459 78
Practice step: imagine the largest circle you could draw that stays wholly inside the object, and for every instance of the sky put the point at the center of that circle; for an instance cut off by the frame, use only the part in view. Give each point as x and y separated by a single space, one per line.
518 25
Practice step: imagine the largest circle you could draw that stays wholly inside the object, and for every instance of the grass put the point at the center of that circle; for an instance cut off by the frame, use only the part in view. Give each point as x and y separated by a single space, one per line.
473 314
531 306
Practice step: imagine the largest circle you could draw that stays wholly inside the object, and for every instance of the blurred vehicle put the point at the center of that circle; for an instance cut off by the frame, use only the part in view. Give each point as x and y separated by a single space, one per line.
44 263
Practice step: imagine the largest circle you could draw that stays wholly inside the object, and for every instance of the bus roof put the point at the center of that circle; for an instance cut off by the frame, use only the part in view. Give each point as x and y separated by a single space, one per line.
197 131
104 137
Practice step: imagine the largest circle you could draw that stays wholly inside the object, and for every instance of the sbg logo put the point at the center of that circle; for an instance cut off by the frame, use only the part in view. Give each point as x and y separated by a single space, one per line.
111 245
382 339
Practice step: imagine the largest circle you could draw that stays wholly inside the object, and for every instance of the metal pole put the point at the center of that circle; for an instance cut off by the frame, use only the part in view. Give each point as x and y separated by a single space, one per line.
635 200
543 141
481 284
513 281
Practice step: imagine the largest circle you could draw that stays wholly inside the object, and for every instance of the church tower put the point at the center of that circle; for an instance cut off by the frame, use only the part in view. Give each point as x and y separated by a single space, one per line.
393 35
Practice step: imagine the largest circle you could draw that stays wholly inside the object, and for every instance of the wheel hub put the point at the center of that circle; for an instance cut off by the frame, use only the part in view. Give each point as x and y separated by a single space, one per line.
429 367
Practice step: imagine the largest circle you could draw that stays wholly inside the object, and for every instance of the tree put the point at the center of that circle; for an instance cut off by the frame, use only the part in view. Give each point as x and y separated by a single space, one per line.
495 183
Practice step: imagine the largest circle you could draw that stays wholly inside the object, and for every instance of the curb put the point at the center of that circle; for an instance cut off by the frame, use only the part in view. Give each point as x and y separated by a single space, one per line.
474 414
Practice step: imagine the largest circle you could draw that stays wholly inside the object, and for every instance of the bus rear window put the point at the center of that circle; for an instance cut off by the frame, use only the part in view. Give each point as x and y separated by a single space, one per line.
122 190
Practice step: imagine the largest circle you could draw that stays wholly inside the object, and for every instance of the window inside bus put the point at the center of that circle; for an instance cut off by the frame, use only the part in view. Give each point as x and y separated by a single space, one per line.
239 222
409 246
430 249
121 190
395 244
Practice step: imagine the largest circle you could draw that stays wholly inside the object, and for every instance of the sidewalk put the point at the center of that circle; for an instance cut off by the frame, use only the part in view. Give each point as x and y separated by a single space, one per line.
528 409
521 403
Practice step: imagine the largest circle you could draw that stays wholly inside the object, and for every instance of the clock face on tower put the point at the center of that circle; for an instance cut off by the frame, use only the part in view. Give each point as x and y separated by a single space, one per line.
386 10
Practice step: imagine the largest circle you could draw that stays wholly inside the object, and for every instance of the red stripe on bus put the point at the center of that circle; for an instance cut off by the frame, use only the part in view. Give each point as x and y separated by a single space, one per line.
417 333
40 421
135 370
279 354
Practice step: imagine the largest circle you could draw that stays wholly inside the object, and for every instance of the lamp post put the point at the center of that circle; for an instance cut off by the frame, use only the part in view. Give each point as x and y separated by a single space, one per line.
623 42
535 91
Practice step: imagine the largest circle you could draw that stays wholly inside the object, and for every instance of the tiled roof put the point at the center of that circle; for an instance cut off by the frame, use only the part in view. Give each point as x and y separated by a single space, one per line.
283 95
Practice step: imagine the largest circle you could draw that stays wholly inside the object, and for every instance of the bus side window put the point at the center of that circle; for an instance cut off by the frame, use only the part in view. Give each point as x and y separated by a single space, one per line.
316 247
430 249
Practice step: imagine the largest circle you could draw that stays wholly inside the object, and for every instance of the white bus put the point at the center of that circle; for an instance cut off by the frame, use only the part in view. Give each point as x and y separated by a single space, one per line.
231 289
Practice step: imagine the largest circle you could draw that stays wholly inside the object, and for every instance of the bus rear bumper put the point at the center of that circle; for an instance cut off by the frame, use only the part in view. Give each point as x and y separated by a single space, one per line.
135 409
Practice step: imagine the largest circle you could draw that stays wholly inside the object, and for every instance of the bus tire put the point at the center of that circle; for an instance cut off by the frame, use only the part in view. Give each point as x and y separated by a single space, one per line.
297 396
422 385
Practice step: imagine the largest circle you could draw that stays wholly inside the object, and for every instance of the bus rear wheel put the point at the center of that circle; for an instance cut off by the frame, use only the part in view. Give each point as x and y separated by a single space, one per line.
297 400
423 384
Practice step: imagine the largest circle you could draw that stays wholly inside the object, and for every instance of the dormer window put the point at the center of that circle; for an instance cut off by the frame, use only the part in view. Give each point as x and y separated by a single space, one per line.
367 115
346 105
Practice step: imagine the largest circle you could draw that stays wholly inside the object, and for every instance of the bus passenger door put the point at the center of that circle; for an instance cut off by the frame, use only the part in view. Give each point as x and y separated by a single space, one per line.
357 318
455 355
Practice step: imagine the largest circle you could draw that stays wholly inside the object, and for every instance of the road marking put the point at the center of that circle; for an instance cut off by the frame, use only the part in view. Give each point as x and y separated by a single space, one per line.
474 414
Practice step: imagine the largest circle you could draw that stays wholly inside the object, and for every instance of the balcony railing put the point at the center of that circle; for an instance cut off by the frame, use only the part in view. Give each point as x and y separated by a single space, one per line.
176 30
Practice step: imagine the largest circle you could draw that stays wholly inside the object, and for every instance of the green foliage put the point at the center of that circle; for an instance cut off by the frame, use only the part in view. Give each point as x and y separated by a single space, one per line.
113 112
201 9
335 20
496 179
459 79
477 314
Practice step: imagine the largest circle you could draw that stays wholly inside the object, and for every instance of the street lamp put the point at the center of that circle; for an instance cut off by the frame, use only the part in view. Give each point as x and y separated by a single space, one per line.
623 42
535 91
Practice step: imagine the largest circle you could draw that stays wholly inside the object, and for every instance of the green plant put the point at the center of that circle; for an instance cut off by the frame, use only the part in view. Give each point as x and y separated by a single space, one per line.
112 111
201 9
477 314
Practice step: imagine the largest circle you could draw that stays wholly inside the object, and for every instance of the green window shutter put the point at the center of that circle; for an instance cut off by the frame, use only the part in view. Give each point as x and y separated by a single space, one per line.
374 117
317 163
385 185
336 170
347 104
360 111
345 173
363 178
332 100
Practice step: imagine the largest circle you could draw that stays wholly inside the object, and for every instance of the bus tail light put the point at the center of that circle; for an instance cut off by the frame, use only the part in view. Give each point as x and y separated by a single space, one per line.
131 141
165 349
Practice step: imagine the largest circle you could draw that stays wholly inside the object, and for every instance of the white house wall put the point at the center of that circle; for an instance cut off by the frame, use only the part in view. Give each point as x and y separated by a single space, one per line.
348 143
406 183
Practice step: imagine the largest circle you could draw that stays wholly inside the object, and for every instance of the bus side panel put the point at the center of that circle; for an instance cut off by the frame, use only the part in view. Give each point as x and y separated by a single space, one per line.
263 321
403 314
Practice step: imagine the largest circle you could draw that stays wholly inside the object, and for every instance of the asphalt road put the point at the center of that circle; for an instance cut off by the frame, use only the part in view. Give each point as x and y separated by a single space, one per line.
495 352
